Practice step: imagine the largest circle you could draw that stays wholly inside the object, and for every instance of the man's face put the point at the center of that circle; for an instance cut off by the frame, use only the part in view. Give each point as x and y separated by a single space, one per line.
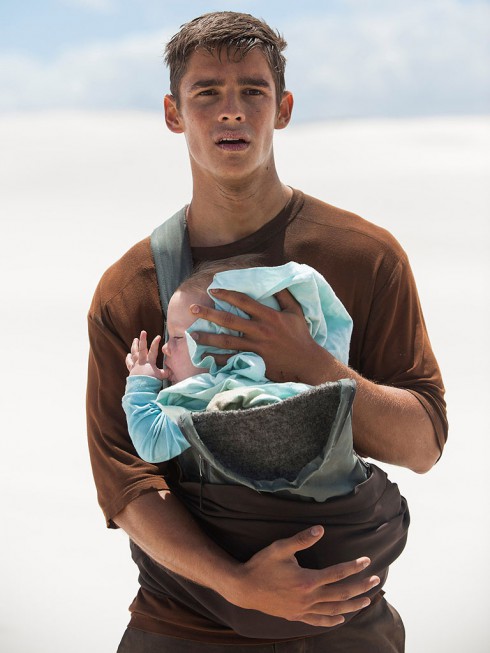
179 319
228 112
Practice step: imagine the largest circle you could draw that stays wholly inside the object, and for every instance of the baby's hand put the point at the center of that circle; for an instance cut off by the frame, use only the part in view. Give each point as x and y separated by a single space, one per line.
142 361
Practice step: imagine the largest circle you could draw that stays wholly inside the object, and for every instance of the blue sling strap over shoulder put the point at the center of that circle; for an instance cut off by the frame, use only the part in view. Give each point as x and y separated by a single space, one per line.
171 251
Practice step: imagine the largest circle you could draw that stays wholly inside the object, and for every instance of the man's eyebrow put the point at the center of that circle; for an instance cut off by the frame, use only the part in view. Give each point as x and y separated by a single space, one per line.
242 81
205 83
254 81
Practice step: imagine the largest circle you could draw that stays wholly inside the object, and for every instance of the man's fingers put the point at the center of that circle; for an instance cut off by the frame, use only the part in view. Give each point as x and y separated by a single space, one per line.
345 596
339 572
324 621
287 302
221 318
334 608
302 540
329 614
242 301
220 341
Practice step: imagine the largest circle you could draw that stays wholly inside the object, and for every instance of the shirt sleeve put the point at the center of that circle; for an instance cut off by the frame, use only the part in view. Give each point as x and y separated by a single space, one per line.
397 350
125 302
120 474
155 436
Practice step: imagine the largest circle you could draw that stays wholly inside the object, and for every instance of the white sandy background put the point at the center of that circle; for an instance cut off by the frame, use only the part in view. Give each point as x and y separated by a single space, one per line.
77 190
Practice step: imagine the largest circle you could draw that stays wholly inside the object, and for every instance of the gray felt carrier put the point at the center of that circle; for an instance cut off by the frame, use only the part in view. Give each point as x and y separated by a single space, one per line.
301 447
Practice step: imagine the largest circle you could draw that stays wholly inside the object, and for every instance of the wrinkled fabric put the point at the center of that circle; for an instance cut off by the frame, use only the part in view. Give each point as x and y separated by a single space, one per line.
241 398
377 629
371 521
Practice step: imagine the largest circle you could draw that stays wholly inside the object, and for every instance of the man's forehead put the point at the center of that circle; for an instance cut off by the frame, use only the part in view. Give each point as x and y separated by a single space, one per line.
220 65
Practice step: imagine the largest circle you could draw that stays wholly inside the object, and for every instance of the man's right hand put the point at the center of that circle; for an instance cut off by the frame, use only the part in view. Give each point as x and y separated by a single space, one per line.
273 582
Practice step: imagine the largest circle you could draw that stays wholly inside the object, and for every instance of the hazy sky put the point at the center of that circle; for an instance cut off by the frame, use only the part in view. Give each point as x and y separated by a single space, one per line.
347 58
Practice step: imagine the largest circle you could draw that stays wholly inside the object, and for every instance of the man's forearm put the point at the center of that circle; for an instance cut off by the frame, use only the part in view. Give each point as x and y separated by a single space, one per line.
156 521
389 424
392 426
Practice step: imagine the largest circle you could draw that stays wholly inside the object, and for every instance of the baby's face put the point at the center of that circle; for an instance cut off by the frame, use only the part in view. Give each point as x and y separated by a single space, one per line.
179 318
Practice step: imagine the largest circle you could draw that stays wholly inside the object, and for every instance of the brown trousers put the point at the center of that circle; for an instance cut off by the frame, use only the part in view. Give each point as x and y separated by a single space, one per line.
379 630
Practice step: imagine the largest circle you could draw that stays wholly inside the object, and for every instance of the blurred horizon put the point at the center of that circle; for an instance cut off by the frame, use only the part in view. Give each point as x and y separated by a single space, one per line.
346 58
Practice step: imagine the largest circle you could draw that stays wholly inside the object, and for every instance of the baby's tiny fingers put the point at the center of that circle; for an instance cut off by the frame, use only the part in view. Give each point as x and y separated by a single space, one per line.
129 362
135 346
142 349
153 353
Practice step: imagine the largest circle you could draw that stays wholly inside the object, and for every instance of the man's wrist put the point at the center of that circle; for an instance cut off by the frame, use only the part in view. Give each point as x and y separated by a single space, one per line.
320 366
231 584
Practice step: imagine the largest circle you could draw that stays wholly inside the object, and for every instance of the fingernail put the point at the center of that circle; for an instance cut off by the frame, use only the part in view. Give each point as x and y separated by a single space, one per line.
195 336
195 308
316 530
374 580
215 291
366 602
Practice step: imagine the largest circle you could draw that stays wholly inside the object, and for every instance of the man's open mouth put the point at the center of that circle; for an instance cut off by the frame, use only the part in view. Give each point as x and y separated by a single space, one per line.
232 142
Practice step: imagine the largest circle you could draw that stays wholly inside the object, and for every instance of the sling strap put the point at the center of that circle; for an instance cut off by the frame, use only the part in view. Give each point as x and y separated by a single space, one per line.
171 251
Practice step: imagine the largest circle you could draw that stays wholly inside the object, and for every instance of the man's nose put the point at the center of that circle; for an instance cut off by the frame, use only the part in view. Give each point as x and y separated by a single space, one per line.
232 110
166 349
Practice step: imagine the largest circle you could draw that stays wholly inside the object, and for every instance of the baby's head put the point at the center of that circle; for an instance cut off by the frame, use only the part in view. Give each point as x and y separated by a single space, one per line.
179 318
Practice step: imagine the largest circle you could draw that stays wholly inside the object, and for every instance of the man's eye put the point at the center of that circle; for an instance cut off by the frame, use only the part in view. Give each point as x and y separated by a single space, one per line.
177 337
253 91
208 91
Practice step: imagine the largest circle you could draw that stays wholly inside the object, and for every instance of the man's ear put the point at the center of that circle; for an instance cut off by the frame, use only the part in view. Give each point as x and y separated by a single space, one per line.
172 115
285 110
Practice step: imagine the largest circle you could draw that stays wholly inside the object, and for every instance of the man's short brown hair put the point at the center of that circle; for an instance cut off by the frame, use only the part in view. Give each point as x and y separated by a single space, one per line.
230 32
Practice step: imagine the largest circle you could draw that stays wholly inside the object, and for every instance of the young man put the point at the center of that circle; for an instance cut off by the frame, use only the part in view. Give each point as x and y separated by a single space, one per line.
228 97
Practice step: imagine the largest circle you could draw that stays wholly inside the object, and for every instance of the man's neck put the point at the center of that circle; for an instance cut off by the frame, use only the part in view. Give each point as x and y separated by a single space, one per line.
224 213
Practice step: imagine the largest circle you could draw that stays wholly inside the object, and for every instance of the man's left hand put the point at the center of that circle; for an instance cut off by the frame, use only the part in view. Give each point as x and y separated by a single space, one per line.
281 338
